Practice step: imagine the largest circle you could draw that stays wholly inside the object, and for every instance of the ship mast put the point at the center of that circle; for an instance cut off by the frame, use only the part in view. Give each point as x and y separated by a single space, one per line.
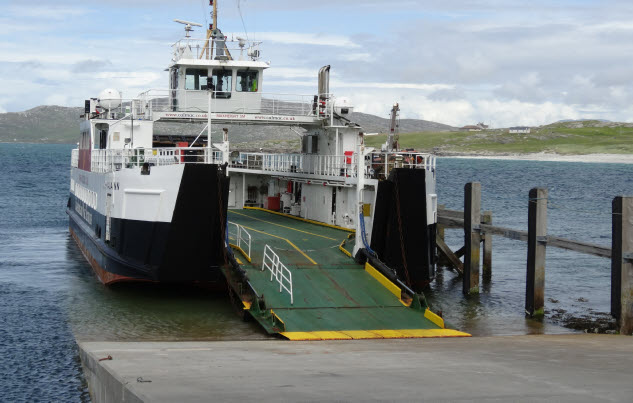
394 129
214 15
213 33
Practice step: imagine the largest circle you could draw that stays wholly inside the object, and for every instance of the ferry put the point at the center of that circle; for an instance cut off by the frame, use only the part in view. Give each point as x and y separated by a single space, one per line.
145 206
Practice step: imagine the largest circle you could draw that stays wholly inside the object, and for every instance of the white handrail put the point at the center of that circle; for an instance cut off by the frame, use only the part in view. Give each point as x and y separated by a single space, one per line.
323 165
278 271
115 159
182 100
242 237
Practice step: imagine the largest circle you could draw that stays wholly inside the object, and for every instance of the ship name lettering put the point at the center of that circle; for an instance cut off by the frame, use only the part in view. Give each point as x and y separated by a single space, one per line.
81 209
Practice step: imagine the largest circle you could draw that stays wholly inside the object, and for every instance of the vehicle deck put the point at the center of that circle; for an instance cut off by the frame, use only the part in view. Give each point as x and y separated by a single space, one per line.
333 296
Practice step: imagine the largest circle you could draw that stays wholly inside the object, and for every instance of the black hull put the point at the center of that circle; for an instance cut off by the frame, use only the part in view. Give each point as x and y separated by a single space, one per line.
191 248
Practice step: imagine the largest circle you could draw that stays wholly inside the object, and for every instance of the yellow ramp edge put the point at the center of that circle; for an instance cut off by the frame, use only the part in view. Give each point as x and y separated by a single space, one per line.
394 289
342 249
391 334
331 335
278 318
362 334
434 318
374 334
299 336
242 252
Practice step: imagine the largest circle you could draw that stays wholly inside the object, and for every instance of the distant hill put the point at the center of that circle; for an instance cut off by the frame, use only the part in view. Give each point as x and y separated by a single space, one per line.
59 124
42 124
585 123
376 124
582 120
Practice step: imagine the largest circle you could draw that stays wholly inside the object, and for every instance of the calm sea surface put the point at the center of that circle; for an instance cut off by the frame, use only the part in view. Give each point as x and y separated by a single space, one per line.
49 297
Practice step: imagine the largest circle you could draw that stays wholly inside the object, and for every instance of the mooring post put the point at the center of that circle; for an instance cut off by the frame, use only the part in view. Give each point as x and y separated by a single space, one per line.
537 239
472 237
622 263
487 238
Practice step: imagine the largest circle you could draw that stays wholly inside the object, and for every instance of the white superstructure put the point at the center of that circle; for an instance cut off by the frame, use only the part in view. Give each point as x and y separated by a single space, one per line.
216 81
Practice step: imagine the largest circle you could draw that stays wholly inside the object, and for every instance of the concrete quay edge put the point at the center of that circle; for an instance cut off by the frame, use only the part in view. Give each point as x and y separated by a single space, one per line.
562 368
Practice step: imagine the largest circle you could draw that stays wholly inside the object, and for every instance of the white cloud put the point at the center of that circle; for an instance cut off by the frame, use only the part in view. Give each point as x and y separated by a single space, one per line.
610 27
357 57
297 38
504 114
47 12
455 61
291 72
408 86
367 85
57 99
129 78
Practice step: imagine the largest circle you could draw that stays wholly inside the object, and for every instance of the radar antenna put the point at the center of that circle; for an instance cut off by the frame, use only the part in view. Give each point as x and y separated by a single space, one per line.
188 25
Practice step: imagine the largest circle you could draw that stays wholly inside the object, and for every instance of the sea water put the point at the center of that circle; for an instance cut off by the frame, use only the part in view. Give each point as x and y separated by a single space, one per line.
49 297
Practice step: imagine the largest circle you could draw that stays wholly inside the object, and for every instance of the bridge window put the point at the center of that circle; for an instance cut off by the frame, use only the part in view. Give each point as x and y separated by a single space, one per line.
196 79
101 136
221 83
247 81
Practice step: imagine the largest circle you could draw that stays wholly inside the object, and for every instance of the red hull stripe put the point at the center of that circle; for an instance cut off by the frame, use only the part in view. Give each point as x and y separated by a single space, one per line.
104 276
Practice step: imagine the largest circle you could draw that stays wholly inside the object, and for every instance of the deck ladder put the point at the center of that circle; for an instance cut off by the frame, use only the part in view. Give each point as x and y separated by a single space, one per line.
278 271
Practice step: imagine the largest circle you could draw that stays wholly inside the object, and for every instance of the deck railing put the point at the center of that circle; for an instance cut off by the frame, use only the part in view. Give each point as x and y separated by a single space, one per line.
242 239
383 162
333 166
200 48
165 100
322 165
278 271
116 159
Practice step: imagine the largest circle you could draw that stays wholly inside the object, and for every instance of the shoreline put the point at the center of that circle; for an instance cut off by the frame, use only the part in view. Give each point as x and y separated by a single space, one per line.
551 157
542 156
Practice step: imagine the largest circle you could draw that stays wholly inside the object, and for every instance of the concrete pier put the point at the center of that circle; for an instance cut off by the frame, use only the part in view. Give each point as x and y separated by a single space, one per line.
561 368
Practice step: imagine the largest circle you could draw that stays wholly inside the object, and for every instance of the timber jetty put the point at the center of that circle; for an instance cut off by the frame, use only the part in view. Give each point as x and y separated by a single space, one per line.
478 229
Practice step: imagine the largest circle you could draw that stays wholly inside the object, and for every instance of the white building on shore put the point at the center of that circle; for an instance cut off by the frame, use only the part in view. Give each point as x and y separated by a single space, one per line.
519 130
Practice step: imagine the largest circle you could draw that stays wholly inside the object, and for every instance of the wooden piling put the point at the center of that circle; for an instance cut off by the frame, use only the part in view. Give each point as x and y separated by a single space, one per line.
440 228
487 240
448 258
472 237
537 239
622 263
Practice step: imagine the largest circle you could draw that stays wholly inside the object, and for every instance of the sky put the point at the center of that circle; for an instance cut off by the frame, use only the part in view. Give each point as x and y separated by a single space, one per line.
458 62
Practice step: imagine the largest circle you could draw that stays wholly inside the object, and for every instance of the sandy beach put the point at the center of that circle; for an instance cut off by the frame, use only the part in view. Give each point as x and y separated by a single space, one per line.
589 158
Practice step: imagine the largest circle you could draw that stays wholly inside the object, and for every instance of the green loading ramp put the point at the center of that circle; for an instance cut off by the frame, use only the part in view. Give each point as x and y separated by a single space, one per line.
317 291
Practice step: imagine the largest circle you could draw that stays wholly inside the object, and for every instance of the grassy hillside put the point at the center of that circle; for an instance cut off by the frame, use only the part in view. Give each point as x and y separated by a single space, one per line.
563 138
43 124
